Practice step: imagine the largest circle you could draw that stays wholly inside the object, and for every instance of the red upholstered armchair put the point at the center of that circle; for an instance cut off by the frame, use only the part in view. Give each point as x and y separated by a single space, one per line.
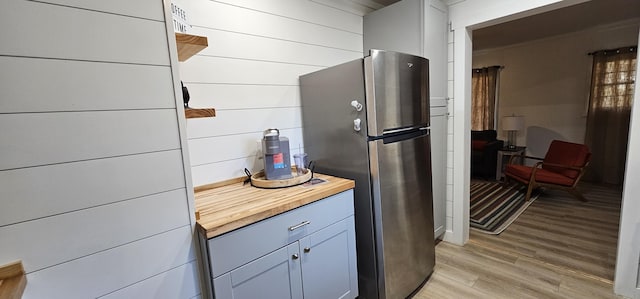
562 167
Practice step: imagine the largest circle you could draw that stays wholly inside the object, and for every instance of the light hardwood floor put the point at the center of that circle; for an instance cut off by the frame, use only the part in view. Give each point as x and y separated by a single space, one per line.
558 248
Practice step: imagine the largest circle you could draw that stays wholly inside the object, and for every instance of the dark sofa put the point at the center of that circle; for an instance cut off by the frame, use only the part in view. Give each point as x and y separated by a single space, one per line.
484 153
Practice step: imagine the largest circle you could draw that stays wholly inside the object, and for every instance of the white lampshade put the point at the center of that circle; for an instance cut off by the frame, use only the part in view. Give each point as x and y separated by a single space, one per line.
513 123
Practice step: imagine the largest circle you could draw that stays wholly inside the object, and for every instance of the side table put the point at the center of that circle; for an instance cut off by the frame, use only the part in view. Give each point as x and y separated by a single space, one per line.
503 156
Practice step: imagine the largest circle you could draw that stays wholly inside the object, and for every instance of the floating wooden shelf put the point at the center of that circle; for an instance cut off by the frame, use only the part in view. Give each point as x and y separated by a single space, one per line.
12 281
199 112
189 45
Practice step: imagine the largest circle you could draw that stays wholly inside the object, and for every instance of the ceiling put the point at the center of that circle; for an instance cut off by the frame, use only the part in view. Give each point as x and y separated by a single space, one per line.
358 7
569 19
385 2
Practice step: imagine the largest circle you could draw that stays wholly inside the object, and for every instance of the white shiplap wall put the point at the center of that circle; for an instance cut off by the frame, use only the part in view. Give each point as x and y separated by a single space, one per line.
249 73
450 159
93 196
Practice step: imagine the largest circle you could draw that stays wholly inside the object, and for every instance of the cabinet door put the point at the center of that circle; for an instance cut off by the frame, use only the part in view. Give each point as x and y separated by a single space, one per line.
275 275
439 168
329 262
397 27
417 27
435 47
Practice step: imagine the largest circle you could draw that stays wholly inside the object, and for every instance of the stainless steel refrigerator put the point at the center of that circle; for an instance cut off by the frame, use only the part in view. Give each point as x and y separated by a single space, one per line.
368 120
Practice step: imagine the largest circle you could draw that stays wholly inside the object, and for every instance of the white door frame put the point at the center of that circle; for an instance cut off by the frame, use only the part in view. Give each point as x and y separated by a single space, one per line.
628 257
467 15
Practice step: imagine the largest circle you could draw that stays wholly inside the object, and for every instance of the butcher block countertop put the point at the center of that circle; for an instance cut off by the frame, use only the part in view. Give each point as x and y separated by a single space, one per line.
225 208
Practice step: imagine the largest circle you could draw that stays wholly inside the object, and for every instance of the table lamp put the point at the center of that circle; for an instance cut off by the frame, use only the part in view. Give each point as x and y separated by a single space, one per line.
512 124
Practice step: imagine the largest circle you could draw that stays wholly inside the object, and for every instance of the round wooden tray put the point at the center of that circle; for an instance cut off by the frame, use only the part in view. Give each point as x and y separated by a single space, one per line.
259 180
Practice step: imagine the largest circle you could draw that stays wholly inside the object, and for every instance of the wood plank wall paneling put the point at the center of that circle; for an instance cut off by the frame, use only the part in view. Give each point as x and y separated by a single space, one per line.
136 218
236 146
452 113
250 71
244 96
25 135
80 34
107 271
244 46
245 121
222 16
148 9
206 69
306 11
92 181
220 171
37 192
167 285
86 86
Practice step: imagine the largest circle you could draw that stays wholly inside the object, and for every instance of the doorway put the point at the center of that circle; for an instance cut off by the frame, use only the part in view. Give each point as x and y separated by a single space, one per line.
463 42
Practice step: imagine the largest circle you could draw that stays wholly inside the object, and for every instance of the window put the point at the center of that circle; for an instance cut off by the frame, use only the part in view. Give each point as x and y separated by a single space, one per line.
613 79
612 89
484 82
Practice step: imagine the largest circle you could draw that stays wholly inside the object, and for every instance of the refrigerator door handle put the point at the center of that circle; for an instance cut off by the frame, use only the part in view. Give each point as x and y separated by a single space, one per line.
403 130
392 138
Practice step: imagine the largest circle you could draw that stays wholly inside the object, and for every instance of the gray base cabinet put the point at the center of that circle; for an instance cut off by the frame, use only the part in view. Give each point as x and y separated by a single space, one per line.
326 262
317 259
275 275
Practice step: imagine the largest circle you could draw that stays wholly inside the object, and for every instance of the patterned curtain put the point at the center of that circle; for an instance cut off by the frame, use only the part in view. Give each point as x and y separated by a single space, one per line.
483 98
612 90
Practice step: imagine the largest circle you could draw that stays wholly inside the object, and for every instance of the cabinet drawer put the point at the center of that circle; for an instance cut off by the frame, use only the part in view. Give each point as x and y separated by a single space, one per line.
248 243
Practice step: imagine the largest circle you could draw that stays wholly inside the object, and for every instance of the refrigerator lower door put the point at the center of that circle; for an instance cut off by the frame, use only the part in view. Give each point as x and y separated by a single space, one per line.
403 214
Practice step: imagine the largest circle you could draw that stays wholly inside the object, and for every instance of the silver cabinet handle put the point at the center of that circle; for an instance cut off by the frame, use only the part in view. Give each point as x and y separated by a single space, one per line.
307 249
299 225
294 256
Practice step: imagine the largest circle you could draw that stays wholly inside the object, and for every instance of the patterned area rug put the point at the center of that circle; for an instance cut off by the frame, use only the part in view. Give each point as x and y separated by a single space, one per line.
494 207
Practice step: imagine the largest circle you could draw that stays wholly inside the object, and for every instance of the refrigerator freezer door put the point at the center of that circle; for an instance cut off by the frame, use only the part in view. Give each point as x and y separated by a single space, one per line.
403 212
397 88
